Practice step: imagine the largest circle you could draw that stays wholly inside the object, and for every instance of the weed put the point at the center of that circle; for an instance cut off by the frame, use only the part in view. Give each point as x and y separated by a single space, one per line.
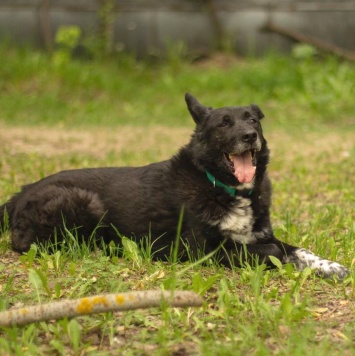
66 39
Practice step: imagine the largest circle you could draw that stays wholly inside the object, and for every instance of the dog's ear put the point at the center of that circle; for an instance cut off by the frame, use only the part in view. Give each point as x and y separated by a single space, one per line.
256 109
197 110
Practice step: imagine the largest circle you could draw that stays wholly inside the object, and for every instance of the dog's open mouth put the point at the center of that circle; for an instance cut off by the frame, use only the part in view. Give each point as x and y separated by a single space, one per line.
243 165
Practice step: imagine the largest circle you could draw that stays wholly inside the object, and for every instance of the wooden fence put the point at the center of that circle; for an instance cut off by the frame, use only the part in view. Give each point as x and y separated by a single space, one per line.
146 26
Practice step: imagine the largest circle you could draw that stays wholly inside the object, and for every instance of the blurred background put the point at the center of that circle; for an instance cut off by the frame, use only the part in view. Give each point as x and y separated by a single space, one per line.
130 62
152 27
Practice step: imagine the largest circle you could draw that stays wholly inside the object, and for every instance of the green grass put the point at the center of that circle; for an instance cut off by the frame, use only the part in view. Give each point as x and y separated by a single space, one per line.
36 90
127 113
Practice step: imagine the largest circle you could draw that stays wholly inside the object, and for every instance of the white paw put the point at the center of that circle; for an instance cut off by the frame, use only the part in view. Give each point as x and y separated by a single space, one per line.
303 258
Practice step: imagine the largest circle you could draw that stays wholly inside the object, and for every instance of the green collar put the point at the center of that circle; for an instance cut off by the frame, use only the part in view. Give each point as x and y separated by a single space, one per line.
230 190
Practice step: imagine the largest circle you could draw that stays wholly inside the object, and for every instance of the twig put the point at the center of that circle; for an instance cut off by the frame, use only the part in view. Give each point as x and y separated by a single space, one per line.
300 37
99 304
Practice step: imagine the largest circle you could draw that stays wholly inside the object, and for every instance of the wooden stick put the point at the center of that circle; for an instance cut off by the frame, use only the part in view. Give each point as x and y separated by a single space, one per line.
99 304
300 37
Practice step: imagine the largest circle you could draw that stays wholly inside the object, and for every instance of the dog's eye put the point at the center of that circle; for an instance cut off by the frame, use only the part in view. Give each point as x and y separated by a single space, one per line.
249 117
226 121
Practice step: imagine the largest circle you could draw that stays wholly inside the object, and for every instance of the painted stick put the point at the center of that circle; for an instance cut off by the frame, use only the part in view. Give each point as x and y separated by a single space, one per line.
99 304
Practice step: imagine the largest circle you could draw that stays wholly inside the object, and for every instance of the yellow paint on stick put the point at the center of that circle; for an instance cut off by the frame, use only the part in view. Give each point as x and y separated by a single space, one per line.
120 299
86 304
100 300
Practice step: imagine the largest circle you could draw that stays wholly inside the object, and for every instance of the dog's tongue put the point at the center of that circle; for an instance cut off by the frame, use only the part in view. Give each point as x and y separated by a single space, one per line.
243 167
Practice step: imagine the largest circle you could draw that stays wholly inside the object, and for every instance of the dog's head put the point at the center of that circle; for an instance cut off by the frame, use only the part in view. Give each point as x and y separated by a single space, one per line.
227 141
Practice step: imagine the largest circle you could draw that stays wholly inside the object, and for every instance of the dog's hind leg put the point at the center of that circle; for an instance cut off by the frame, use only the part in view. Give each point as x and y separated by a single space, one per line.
37 217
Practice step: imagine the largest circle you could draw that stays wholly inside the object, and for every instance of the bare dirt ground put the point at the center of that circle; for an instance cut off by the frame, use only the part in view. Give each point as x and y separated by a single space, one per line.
98 142
93 141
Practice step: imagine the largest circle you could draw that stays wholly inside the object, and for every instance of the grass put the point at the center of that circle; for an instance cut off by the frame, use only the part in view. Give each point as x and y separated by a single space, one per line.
36 90
81 114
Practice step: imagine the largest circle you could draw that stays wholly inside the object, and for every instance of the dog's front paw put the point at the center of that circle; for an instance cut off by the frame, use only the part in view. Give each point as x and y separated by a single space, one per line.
333 269
303 258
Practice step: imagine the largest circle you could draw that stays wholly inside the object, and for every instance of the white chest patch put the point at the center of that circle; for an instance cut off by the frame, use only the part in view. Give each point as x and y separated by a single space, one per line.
245 186
237 224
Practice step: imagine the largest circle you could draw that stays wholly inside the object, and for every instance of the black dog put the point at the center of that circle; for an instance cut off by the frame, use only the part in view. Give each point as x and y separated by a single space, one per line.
219 179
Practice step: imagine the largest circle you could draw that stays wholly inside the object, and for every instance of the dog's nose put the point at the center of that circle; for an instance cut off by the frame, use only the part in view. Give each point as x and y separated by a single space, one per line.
249 137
